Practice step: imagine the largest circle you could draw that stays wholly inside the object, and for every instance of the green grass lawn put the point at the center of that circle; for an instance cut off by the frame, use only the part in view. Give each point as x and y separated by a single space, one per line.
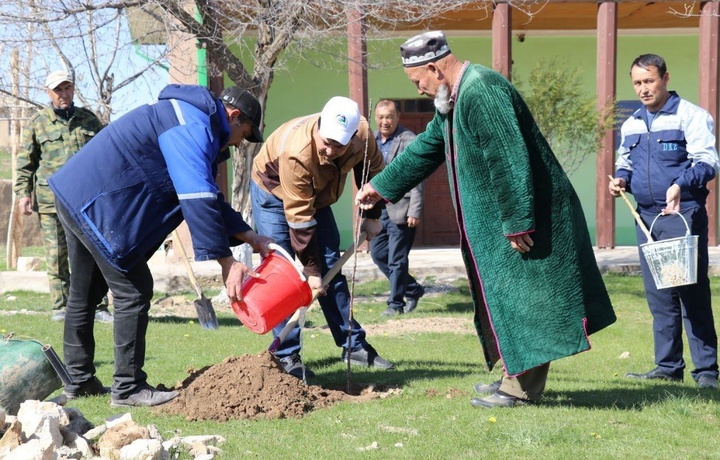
590 411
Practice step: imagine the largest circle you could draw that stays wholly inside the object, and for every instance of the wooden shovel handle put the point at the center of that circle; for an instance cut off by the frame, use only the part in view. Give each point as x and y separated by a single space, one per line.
634 213
183 255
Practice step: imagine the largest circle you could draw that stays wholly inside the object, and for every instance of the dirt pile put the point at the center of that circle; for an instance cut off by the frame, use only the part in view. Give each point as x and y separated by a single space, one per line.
247 387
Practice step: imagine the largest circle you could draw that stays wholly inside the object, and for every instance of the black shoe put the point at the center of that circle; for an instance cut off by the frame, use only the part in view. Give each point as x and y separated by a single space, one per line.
499 399
92 387
483 388
367 358
293 365
145 396
655 374
707 382
392 311
412 302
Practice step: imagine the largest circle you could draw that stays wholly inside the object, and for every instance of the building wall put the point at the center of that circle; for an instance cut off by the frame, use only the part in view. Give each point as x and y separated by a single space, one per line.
304 85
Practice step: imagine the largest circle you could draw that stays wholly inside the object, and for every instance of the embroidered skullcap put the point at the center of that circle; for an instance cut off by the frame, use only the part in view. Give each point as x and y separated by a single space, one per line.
424 48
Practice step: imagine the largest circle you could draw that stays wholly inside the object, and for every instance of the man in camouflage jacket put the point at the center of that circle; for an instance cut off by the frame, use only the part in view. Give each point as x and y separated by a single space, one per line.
52 136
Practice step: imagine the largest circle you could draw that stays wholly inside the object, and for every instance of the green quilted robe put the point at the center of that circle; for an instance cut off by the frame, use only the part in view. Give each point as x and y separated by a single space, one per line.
530 308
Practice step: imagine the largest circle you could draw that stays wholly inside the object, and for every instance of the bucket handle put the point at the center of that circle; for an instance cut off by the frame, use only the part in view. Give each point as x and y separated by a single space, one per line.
687 231
278 248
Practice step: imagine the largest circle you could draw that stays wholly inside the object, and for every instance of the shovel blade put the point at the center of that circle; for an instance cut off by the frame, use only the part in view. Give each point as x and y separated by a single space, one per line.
206 313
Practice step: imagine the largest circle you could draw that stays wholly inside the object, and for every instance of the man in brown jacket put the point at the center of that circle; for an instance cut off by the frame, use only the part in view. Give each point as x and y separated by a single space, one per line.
299 172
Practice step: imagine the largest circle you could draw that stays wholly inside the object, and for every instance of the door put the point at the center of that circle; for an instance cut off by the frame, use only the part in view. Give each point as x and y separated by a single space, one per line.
438 226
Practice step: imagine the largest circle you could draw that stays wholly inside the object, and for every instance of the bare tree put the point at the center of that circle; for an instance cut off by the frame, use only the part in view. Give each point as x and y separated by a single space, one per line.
92 43
265 30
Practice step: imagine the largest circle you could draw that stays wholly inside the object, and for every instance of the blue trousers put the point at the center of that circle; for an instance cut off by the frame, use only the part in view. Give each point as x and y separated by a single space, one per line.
269 215
390 250
90 276
690 304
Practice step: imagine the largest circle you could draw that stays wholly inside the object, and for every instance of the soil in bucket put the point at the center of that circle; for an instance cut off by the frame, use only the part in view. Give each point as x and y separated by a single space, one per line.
273 296
25 373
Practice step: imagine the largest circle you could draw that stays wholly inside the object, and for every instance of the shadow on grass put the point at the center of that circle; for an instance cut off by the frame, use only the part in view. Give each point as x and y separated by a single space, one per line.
637 398
171 319
331 372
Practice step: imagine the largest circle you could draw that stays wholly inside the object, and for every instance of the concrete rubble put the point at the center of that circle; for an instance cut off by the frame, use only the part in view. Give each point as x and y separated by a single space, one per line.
50 431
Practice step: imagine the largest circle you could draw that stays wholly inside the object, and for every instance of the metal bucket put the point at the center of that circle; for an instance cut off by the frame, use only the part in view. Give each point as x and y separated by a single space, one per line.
672 262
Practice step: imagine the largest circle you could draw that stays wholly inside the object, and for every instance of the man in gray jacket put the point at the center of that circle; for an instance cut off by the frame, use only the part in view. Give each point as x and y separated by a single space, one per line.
391 247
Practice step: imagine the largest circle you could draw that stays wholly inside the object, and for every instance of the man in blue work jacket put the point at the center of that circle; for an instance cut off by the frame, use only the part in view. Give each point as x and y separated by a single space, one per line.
666 158
157 167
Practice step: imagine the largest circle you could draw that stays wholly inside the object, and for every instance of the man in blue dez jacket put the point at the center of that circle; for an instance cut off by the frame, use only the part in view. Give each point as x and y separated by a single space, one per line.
121 195
666 158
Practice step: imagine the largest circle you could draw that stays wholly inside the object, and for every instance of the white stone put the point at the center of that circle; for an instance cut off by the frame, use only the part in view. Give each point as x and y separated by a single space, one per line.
142 449
208 440
32 414
118 419
35 449
42 420
68 453
96 432
29 264
83 446
154 432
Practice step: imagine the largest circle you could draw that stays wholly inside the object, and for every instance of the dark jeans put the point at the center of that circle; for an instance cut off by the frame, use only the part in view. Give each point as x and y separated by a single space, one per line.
689 304
390 250
270 220
90 276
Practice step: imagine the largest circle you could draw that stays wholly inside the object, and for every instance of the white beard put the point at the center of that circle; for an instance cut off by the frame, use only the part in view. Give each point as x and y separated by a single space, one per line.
442 99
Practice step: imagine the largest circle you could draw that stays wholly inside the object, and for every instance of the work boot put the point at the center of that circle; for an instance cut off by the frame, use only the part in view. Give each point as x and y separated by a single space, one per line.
92 387
293 365
144 396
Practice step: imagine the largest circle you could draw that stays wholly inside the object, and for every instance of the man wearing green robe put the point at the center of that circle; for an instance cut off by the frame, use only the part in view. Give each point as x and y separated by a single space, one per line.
535 284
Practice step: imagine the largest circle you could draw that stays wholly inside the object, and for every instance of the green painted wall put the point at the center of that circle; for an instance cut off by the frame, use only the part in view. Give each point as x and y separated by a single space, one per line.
305 84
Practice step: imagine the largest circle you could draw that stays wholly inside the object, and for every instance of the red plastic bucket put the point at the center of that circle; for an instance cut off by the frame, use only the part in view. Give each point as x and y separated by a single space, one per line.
276 294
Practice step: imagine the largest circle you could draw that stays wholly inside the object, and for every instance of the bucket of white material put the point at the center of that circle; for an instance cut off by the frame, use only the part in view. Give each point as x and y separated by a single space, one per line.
672 262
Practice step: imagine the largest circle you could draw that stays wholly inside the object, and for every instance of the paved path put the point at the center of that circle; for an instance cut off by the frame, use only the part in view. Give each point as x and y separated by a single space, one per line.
437 263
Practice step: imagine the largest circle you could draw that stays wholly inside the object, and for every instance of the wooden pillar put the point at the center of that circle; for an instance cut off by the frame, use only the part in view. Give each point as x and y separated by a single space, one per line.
605 161
708 97
501 44
357 60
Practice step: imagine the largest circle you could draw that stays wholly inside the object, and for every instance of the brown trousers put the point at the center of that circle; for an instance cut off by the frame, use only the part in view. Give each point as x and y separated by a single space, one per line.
529 385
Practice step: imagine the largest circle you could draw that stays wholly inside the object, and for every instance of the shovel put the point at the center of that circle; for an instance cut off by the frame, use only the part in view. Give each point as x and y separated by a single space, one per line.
300 312
639 221
203 305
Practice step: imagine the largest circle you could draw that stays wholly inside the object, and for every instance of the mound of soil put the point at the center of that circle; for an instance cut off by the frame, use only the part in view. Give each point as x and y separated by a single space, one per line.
247 387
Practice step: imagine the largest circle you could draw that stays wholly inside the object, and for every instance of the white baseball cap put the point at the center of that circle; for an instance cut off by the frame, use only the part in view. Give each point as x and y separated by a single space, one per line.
339 119
56 78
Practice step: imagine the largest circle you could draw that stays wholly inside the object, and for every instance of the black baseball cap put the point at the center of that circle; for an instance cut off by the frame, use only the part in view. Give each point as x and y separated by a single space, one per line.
242 100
